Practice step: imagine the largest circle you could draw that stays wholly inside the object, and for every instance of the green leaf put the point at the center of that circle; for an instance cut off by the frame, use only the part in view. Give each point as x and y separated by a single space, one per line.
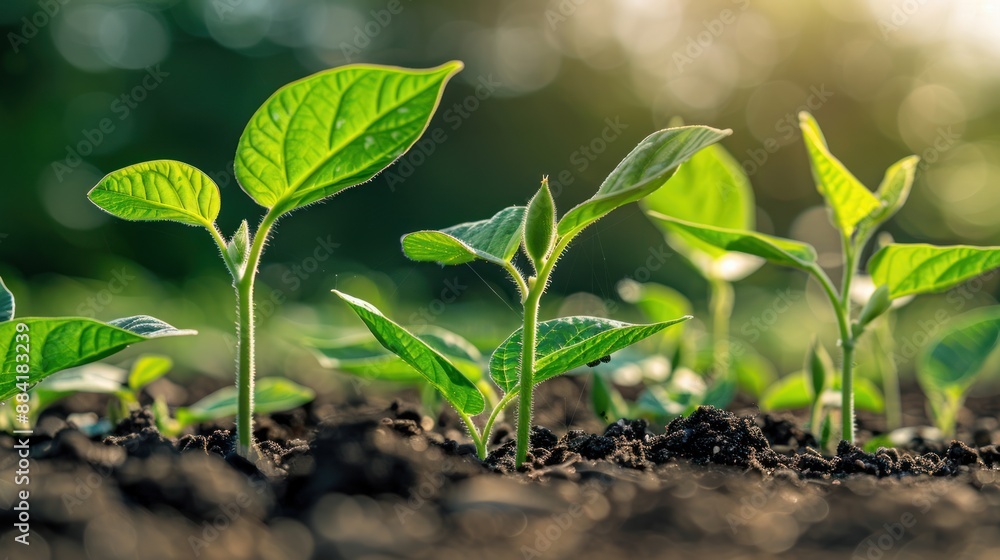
642 171
148 369
335 129
789 393
775 249
567 343
919 269
6 303
849 200
436 369
711 188
495 240
238 247
56 344
159 190
365 357
891 193
955 357
540 225
867 396
270 394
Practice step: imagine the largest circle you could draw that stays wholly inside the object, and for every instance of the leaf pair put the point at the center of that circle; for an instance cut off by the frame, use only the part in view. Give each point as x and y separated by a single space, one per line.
310 140
563 344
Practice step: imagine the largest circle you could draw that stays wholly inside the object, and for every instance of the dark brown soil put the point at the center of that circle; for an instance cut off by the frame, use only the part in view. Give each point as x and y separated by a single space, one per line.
383 482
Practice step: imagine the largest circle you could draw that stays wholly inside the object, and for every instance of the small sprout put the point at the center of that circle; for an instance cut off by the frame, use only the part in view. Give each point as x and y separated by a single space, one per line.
539 350
311 169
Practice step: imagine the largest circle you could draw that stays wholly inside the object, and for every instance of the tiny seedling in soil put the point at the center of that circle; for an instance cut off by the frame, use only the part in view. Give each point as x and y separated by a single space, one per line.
538 350
898 270
309 141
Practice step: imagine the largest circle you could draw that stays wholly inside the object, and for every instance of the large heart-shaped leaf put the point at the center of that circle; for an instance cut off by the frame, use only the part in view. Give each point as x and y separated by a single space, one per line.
270 394
775 249
55 344
955 357
159 190
436 369
919 269
711 188
891 193
645 169
849 200
6 303
365 357
567 343
333 130
495 240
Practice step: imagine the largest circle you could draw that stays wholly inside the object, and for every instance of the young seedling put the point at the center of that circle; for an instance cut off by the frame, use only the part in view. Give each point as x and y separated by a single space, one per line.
33 348
538 350
951 362
309 141
897 270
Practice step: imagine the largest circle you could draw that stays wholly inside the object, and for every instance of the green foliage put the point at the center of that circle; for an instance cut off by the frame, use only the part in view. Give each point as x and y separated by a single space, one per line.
56 344
849 201
494 240
333 130
435 367
148 369
567 343
774 249
159 190
643 171
922 269
536 351
309 141
952 361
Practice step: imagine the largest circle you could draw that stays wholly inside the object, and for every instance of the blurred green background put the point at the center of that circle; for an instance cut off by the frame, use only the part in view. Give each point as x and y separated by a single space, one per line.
563 88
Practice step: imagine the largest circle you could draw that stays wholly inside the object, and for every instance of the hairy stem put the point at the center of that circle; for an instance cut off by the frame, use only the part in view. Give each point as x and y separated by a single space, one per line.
246 339
527 381
477 439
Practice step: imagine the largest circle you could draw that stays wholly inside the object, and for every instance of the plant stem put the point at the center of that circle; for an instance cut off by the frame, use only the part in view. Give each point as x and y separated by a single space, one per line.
477 439
527 381
847 352
722 310
246 339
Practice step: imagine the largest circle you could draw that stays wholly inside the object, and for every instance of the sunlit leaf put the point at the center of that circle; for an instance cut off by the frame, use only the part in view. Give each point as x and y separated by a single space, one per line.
335 129
919 269
849 200
495 240
754 373
711 188
956 356
891 193
867 396
159 190
775 249
567 343
435 367
642 171
658 303
55 344
788 393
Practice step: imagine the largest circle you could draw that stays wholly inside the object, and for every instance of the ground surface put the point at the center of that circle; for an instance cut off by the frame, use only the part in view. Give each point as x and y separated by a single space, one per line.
370 481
